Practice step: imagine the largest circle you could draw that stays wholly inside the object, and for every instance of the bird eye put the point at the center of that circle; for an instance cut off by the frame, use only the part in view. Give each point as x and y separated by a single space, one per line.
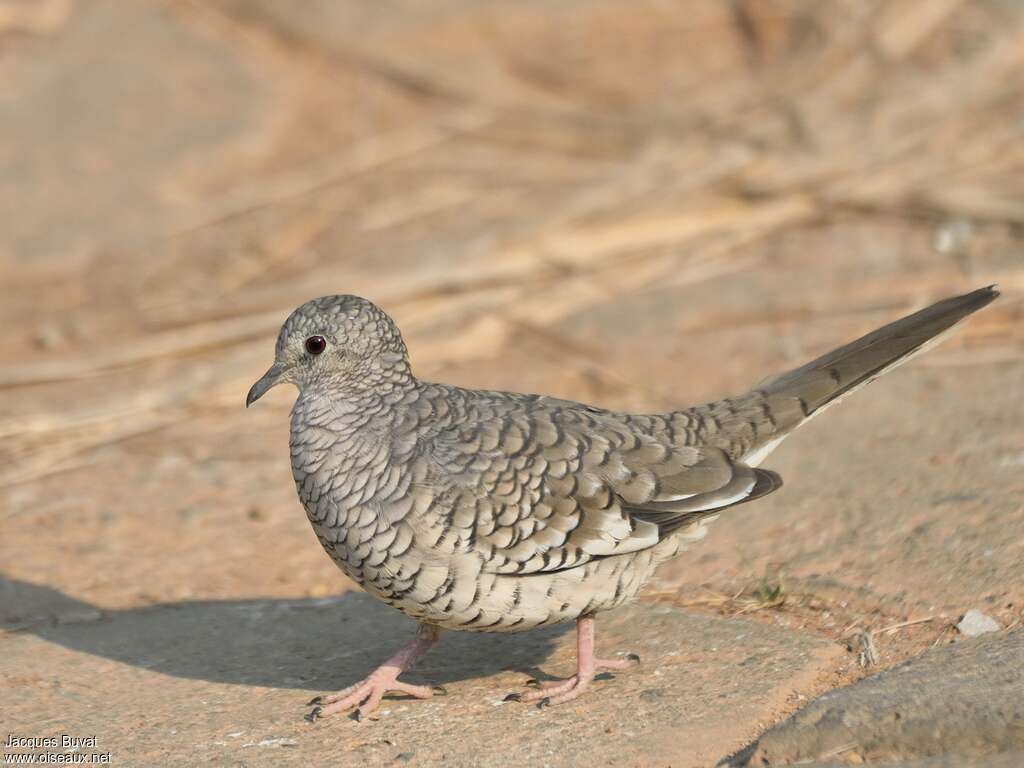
316 344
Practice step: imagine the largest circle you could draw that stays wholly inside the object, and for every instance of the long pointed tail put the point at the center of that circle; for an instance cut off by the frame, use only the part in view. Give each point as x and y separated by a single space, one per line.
847 369
751 425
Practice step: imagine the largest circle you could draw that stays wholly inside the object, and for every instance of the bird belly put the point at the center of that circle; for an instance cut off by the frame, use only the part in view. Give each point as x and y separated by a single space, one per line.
455 591
479 601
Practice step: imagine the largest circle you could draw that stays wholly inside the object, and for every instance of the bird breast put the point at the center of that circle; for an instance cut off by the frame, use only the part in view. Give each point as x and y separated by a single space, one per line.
350 481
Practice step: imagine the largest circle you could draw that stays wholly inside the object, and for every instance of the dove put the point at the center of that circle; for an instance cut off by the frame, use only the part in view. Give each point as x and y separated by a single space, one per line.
486 511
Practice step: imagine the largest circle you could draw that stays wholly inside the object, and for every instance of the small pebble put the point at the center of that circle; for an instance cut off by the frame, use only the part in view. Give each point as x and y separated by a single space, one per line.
50 336
975 623
953 236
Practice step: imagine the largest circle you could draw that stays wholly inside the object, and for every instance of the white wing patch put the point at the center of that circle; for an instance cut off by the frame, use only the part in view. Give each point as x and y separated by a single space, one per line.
759 454
725 501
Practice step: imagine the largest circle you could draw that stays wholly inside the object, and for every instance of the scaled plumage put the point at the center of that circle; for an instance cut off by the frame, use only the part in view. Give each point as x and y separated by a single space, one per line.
501 512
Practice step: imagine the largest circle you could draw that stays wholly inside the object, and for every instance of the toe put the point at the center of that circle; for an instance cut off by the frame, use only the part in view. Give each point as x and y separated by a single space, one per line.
547 685
340 705
563 696
549 688
624 663
418 691
372 702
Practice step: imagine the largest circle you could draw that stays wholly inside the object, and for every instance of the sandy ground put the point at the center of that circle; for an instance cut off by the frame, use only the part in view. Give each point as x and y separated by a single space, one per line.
641 205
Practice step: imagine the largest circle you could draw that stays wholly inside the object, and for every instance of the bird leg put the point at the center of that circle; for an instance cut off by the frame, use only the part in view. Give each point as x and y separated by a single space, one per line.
367 694
587 665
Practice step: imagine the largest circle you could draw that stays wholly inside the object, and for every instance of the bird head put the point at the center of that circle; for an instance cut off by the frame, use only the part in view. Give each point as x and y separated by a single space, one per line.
336 344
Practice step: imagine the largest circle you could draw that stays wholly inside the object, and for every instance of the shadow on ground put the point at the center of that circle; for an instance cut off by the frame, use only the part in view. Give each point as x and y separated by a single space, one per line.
226 674
313 643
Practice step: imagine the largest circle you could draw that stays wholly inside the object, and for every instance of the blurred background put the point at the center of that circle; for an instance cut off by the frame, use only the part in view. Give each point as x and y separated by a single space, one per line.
636 204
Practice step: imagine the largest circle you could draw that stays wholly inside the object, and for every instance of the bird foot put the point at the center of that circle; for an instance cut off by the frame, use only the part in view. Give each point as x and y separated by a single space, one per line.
365 696
551 692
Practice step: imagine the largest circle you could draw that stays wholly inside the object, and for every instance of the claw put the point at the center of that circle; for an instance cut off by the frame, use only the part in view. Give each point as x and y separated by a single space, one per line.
365 696
440 690
312 716
315 700
588 668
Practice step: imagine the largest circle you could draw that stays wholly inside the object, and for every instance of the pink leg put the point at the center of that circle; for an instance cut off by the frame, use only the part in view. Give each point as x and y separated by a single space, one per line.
366 695
587 665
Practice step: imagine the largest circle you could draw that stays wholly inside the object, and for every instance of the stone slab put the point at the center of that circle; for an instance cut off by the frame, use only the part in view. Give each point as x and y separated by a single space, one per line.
226 682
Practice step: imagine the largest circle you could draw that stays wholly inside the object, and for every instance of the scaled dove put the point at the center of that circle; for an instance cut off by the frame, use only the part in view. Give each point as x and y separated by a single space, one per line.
501 512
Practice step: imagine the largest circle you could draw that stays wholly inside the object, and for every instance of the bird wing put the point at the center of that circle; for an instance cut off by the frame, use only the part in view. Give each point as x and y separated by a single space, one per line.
542 484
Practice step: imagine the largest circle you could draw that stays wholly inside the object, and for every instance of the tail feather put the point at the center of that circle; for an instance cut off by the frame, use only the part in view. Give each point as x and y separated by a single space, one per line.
749 427
844 370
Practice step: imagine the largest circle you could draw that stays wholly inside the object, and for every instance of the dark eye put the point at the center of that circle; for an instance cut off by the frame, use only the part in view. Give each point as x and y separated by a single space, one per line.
316 344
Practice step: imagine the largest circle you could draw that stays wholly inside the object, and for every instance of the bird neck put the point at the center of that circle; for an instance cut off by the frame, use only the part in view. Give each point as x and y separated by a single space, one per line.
352 403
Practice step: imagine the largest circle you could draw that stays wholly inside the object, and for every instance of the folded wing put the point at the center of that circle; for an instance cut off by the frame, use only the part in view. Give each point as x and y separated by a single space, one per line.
552 485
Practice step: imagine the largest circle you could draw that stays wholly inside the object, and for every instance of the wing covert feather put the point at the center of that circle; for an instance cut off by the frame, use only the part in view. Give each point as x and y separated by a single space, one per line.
544 485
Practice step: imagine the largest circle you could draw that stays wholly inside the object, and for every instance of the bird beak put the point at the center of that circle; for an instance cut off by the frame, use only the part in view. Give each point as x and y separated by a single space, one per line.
272 377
